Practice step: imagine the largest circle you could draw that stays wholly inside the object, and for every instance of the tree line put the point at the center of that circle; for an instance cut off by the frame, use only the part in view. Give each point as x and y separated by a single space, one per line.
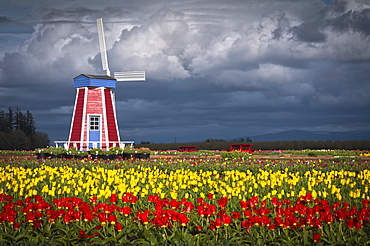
18 131
273 145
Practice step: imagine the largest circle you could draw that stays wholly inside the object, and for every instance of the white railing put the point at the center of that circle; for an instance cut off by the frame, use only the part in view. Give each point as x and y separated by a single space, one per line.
87 145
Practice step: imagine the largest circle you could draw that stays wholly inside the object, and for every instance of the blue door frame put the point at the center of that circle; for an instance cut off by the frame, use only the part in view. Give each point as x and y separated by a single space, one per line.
94 130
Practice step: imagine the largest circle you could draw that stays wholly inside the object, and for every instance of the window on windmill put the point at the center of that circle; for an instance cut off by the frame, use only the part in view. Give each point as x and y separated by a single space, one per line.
94 123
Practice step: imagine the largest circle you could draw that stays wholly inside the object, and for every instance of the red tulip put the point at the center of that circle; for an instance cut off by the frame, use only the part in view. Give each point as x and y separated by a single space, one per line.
37 223
345 205
212 226
275 201
153 198
264 220
324 203
118 226
88 217
365 203
16 225
244 205
215 224
316 237
77 215
247 223
58 203
102 218
358 226
93 200
362 215
308 197
19 203
278 221
200 201
222 202
263 211
328 217
218 223
11 218
188 207
112 219
127 197
143 216
175 204
125 210
279 212
113 198
350 223
352 212
253 201
76 202
317 223
226 220
30 217
161 221
336 205
341 214
183 219
68 218
133 199
27 200
83 234
201 211
286 202
247 213
235 215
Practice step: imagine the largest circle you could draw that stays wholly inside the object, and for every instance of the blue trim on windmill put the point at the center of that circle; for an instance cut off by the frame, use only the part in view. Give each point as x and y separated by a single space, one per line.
86 80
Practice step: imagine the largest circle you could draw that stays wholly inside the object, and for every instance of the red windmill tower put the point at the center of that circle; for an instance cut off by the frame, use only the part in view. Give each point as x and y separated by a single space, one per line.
94 121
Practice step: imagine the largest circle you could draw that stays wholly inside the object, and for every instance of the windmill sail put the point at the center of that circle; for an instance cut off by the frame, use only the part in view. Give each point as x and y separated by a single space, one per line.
103 49
130 76
119 76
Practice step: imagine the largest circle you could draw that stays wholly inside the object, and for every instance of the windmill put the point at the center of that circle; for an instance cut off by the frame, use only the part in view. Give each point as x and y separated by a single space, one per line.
94 121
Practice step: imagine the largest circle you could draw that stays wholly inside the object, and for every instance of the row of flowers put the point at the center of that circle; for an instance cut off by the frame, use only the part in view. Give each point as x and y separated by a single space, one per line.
131 149
96 151
94 221
175 179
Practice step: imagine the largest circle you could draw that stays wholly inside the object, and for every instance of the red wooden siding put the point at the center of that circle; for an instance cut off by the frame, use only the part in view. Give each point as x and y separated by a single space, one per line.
77 119
111 119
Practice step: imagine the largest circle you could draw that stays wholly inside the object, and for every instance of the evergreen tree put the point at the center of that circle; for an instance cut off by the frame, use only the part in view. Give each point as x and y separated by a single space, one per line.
4 126
18 131
30 128
9 119
17 119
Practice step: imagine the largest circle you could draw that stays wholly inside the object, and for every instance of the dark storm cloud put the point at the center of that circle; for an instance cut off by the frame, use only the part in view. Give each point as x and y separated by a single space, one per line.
8 25
5 20
309 32
214 69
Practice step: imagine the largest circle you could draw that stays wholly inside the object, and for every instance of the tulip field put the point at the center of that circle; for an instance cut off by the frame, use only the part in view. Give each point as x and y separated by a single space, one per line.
184 201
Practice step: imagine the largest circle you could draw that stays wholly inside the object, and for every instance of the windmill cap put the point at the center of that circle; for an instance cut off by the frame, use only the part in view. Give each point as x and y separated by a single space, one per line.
84 80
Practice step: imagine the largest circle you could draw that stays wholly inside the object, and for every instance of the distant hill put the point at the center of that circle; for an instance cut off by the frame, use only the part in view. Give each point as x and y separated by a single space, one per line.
310 135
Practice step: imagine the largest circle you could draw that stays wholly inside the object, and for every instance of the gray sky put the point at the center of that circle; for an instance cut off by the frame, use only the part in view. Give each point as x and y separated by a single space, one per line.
215 69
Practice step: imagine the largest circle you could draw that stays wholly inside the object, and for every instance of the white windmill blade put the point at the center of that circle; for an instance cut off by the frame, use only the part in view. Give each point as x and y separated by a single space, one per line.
130 76
103 49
